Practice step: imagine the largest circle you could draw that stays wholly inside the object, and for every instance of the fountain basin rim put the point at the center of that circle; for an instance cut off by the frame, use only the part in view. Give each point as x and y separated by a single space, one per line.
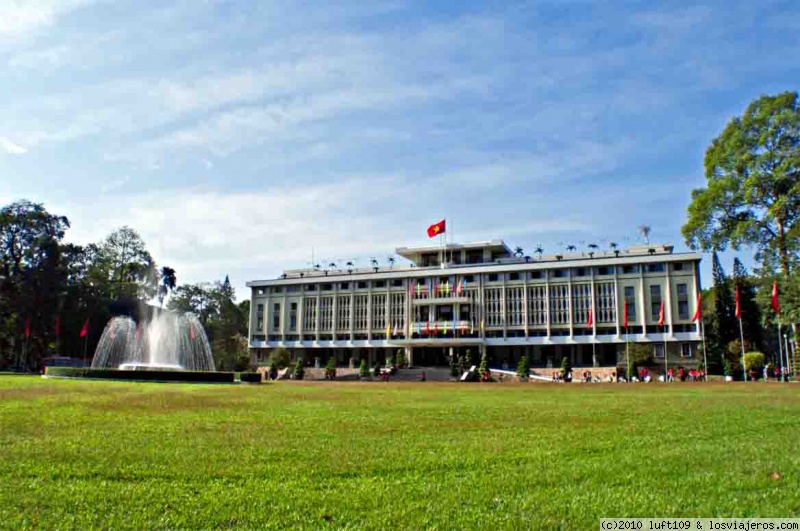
139 366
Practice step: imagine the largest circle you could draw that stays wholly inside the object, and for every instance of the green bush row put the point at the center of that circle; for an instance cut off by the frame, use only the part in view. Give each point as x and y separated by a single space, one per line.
160 376
250 377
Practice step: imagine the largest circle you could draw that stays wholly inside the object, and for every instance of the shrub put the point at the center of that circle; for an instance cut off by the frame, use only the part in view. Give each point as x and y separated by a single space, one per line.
484 366
454 369
250 377
641 355
754 362
147 376
299 370
523 367
363 369
330 369
566 368
468 359
400 359
280 357
273 371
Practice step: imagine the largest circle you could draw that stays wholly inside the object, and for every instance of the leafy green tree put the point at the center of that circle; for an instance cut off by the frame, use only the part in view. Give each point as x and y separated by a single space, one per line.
128 266
400 358
299 370
523 367
752 196
167 283
280 357
363 369
751 314
330 368
641 355
566 368
754 362
273 370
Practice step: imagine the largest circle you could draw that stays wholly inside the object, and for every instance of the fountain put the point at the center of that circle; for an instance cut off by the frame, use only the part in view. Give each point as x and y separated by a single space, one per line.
168 342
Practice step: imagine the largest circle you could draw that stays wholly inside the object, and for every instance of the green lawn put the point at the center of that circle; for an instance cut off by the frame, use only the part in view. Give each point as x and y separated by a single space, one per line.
414 456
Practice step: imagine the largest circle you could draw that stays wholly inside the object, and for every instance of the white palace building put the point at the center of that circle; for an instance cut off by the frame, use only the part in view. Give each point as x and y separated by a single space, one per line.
480 296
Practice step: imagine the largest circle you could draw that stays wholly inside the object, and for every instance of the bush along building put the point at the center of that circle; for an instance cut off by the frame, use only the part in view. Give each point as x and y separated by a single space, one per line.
484 297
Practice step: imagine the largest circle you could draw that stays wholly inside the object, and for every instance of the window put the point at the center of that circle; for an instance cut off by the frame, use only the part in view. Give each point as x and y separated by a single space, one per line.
475 257
630 300
277 290
630 269
292 289
311 287
605 270
513 276
557 273
659 350
683 302
677 266
379 284
655 268
276 316
397 282
260 317
293 317
469 278
260 291
536 274
686 350
655 301
344 285
580 272
327 287
492 277
362 285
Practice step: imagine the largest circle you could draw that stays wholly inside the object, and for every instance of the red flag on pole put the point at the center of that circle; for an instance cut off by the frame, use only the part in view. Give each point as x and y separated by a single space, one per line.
625 314
661 315
590 322
738 306
27 327
775 306
85 329
698 313
58 327
436 229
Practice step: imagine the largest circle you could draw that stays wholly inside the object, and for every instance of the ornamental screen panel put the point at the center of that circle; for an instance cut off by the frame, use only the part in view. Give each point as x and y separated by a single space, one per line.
310 314
360 312
378 312
581 302
515 306
559 304
606 303
397 307
343 309
326 314
493 304
537 305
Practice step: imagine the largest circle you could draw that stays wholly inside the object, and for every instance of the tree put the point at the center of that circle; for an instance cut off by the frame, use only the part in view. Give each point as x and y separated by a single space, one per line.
363 369
518 252
566 368
523 367
167 283
752 196
644 232
128 265
299 370
641 355
721 326
751 314
280 357
330 369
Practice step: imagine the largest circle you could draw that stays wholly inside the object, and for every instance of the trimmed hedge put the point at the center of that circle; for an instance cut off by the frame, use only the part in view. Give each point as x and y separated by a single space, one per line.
145 376
250 377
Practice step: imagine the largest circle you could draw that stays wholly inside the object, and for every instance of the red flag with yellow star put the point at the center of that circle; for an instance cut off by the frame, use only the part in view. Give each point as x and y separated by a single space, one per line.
436 229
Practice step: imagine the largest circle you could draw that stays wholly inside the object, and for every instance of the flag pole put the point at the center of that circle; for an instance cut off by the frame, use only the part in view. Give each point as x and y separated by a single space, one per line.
780 352
627 353
741 342
666 354
705 357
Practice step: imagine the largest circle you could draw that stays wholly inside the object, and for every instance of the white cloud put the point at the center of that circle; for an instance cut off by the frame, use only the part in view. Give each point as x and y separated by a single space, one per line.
10 147
23 16
110 186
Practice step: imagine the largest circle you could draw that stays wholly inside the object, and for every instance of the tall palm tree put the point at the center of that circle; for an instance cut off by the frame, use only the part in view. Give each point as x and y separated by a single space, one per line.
539 251
593 246
167 284
644 232
332 265
571 248
374 262
391 261
350 266
613 245
518 252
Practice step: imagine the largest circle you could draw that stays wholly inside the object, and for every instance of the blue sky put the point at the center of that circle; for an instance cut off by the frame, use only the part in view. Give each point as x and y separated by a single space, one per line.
236 136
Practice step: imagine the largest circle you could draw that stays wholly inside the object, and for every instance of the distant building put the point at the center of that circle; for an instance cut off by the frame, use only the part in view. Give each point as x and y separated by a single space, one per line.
480 296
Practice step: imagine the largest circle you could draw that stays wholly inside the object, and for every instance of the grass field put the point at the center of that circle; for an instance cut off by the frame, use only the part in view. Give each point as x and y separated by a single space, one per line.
414 456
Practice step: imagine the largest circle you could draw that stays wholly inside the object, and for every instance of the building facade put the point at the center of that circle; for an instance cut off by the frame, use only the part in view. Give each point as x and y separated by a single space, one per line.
482 297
